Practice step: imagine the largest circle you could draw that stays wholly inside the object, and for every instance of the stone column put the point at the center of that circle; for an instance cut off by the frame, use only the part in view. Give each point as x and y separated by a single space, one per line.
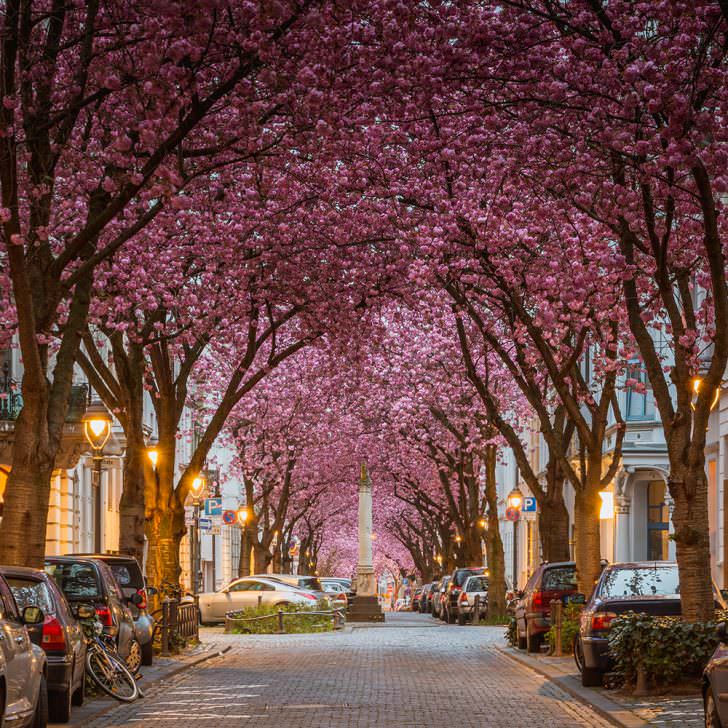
365 607
622 550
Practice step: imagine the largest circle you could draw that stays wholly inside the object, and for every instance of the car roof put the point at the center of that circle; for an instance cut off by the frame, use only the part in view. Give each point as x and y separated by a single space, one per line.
642 565
107 557
72 560
24 571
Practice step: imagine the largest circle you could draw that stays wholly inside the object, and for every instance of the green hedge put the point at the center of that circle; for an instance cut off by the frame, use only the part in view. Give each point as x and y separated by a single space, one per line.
569 629
293 625
666 649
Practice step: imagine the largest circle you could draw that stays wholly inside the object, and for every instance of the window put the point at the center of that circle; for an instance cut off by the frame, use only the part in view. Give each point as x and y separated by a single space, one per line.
658 518
29 593
658 581
241 586
77 581
640 404
477 584
559 579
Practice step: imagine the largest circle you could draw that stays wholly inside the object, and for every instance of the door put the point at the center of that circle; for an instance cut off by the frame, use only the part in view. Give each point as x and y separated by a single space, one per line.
15 644
237 596
658 524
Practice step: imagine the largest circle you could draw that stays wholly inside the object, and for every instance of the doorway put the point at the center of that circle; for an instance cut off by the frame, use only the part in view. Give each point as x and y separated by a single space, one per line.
658 525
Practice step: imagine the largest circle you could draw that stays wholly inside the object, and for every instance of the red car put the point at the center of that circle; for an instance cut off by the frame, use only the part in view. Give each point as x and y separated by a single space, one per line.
550 581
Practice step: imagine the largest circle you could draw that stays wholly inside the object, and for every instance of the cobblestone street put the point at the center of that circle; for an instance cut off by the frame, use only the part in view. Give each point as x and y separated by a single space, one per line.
411 672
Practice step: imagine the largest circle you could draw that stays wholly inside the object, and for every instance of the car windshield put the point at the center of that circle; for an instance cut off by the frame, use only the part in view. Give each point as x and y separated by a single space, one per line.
562 578
76 581
641 582
128 575
477 584
31 593
462 575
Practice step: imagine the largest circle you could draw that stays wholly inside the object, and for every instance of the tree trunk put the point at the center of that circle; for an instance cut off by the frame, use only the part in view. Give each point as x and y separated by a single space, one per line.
27 492
587 547
690 519
245 548
553 529
131 505
261 558
493 542
471 552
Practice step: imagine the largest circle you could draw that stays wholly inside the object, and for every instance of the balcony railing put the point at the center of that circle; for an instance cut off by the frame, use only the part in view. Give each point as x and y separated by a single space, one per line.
11 399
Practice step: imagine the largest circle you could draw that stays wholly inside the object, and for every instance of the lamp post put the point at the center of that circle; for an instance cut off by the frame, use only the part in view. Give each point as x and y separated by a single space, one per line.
515 503
198 485
97 429
242 516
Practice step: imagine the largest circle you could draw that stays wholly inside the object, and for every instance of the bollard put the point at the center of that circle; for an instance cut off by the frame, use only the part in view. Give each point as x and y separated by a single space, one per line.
260 600
165 627
556 615
476 609
281 628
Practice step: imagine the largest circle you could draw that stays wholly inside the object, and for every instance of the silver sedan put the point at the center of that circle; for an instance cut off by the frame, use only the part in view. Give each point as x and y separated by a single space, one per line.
250 592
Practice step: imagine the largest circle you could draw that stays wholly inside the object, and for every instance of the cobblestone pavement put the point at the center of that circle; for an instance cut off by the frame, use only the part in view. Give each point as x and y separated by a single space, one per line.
406 673
685 712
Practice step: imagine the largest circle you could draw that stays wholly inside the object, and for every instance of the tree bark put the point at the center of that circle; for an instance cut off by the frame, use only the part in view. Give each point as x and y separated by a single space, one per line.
493 542
553 529
587 504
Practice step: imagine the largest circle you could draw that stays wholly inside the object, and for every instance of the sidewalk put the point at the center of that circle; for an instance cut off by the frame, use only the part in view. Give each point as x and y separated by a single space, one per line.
164 668
617 707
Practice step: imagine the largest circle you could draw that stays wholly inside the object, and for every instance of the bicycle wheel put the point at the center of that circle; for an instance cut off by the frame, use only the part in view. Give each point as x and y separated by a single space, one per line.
111 675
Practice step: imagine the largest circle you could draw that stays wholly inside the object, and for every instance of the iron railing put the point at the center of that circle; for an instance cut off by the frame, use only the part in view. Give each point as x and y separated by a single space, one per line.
179 624
11 400
232 618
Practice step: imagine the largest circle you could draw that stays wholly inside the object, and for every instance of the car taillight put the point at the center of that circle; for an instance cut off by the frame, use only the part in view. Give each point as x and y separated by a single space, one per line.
104 616
308 596
143 603
53 638
538 599
464 598
602 620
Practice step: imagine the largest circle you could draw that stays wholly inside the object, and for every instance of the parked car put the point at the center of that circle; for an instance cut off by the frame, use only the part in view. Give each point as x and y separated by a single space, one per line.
24 695
454 588
336 593
59 635
416 597
424 597
308 583
345 585
85 580
551 580
715 680
129 577
441 597
250 591
474 586
651 587
432 596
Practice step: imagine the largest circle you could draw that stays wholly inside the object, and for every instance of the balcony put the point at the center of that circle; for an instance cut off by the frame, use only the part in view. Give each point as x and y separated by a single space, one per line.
73 442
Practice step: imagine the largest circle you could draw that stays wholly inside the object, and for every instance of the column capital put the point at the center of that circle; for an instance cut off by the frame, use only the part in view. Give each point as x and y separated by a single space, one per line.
622 505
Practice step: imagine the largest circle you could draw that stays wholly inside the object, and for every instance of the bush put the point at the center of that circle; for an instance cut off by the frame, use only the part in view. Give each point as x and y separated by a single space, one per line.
269 625
666 649
569 629
511 632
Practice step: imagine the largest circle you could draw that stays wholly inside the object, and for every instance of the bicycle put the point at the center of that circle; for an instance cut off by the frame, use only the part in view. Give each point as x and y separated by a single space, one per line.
105 668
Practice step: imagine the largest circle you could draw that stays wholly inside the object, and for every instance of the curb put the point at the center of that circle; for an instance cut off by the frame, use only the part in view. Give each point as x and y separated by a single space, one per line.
154 683
615 713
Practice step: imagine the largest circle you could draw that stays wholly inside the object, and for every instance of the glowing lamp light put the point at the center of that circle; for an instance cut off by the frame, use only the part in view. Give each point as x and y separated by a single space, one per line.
458 539
606 511
153 455
242 514
97 425
515 499
198 485
483 523
697 385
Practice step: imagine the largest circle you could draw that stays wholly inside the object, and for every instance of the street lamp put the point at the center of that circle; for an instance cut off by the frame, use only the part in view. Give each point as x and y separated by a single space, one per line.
97 422
513 513
196 488
697 386
153 454
242 514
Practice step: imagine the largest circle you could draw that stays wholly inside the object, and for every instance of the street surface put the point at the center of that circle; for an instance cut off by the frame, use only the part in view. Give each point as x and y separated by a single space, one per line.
411 672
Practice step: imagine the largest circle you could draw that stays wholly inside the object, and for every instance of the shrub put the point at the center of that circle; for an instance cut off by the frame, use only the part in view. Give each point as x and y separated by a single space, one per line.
269 625
666 649
511 632
569 629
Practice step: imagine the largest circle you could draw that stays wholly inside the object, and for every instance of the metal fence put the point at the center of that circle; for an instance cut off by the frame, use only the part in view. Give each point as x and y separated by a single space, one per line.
179 623
233 620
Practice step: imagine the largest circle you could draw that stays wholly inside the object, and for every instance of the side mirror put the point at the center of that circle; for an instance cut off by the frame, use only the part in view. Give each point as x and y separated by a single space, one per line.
577 599
85 611
33 615
136 599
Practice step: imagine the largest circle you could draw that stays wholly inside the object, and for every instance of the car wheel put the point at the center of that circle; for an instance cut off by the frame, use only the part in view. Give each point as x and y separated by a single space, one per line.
461 619
533 641
712 719
147 653
40 719
79 696
578 653
591 677
521 641
59 705
134 658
